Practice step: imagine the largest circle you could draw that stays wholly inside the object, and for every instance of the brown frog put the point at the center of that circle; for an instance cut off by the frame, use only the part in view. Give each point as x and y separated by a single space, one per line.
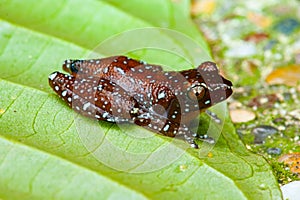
120 89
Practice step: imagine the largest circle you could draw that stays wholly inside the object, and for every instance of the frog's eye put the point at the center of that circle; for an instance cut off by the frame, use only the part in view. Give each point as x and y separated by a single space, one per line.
197 91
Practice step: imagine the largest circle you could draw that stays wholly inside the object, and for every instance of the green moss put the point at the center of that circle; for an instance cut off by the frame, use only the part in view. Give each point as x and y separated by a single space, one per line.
282 172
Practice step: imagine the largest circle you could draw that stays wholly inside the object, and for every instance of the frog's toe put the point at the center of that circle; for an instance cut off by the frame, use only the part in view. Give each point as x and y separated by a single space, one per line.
194 145
206 138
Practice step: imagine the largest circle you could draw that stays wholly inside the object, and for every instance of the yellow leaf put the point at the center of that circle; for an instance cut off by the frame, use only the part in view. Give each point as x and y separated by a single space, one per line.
288 75
203 7
259 20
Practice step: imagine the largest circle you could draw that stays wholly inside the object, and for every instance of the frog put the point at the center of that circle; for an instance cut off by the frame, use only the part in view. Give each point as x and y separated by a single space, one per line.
119 89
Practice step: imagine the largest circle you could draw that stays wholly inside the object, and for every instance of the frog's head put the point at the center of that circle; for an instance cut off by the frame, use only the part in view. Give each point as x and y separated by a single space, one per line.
206 85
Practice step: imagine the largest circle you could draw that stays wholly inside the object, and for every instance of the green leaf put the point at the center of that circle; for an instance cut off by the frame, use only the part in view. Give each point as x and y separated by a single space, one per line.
49 152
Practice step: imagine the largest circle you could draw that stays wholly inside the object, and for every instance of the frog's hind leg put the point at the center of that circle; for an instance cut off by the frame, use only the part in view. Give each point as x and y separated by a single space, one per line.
85 68
94 98
98 67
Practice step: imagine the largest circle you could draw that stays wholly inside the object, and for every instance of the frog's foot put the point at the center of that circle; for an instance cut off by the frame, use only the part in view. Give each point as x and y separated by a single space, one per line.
184 133
191 137
213 116
206 138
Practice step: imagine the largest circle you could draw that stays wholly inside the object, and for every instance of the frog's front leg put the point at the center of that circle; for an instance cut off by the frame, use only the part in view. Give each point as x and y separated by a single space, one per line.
164 126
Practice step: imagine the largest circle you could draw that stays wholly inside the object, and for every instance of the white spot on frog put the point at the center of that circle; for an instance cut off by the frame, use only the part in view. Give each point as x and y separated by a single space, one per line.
166 128
64 93
86 105
161 95
52 76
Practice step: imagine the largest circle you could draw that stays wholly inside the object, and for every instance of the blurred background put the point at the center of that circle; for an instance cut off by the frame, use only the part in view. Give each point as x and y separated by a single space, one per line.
258 42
